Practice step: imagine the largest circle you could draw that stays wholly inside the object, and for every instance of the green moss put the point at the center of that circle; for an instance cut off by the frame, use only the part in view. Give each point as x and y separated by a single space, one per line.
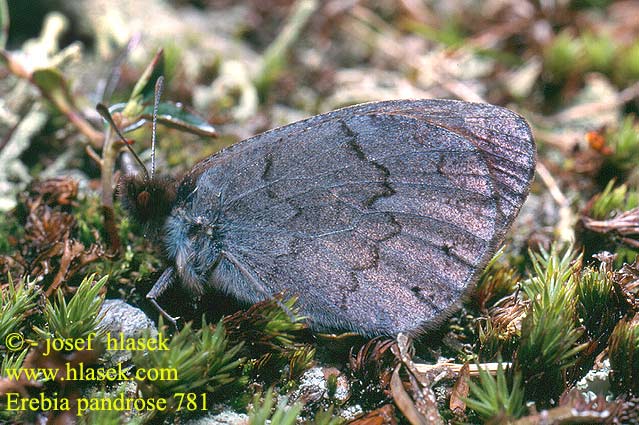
624 142
450 33
624 356
627 67
10 230
263 409
497 281
15 300
497 340
274 333
77 318
563 57
139 259
599 305
500 397
599 52
613 200
550 334
201 361
610 203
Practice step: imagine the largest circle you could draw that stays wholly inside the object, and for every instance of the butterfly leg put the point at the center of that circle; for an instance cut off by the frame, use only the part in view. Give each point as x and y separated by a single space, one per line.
162 284
256 284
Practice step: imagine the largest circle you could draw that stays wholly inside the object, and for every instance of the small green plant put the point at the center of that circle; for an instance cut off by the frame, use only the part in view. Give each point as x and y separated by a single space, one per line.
492 398
609 225
301 360
12 361
201 359
599 52
136 261
613 200
15 301
263 409
79 317
624 141
497 281
281 325
273 332
9 226
497 339
627 66
563 57
623 352
549 334
327 417
599 305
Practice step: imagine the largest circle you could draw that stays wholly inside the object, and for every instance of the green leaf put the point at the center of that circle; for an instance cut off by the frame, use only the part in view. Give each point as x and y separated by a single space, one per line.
175 116
550 333
624 356
201 359
145 85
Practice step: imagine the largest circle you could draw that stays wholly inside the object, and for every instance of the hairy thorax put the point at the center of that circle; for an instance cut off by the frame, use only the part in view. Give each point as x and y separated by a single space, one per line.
193 244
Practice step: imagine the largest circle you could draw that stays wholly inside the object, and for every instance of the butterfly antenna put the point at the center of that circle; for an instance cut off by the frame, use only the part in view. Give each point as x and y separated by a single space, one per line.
104 112
159 85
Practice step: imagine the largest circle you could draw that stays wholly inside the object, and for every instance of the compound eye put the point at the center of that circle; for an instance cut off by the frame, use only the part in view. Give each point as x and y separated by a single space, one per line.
143 199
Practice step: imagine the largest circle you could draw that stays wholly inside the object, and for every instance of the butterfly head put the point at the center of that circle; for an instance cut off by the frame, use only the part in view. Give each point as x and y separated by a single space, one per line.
148 200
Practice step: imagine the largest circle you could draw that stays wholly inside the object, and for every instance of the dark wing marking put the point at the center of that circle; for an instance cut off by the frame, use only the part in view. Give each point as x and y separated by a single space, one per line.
378 216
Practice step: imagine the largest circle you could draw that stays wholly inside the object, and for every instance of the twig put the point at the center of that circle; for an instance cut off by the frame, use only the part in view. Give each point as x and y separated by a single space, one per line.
456 367
564 415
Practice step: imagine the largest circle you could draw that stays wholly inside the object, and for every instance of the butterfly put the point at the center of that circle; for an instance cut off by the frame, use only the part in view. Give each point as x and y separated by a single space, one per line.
379 217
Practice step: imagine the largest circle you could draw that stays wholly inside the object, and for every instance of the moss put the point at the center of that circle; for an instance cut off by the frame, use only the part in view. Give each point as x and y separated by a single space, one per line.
550 335
624 356
500 397
563 57
77 318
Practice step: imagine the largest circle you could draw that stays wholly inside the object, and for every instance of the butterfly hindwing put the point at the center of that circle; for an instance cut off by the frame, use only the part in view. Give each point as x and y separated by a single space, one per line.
378 216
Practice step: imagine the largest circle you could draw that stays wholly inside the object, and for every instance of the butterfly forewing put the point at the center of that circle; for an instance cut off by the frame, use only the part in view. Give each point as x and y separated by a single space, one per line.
378 217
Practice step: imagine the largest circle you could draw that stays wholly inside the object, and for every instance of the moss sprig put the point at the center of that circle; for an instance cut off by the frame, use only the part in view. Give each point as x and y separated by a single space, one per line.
80 316
264 411
613 200
15 300
12 361
599 306
202 361
497 397
563 57
624 142
496 282
274 335
624 356
550 335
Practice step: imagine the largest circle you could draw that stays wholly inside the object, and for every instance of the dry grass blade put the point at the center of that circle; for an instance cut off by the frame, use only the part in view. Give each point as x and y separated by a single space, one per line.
421 407
404 401
626 225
